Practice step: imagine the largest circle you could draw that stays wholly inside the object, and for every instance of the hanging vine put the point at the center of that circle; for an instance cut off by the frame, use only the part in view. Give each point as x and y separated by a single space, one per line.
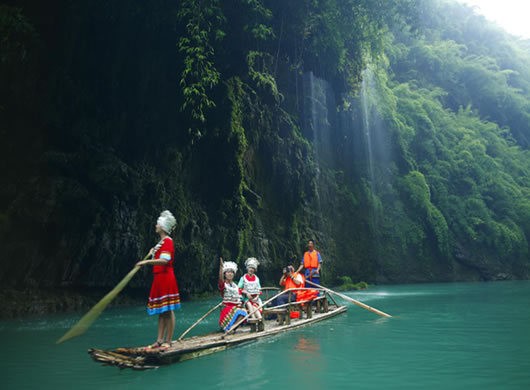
203 19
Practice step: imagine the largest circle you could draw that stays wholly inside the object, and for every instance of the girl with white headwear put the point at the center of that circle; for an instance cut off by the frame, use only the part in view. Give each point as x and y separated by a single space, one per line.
232 308
251 288
164 297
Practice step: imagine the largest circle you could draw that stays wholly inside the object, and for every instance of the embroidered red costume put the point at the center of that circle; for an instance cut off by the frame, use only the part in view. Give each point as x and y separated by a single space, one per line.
232 305
164 294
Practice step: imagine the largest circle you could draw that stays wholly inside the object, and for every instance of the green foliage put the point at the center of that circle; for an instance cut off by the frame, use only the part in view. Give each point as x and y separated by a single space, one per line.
203 19
335 38
416 190
261 14
346 284
458 154
448 197
418 199
18 69
259 69
473 61
16 33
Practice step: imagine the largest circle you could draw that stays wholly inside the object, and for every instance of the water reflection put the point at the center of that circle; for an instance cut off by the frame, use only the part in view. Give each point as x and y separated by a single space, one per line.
308 345
307 361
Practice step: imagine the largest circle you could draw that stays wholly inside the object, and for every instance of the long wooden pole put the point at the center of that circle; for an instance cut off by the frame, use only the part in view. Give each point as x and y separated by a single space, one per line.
259 307
88 319
199 320
364 306
252 312
219 304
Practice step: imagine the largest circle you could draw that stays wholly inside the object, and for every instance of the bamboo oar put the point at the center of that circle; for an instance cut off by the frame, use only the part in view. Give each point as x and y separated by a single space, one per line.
88 319
200 319
364 306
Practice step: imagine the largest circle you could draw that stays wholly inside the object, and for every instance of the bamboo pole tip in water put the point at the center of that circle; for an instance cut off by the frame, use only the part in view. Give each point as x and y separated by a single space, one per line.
70 334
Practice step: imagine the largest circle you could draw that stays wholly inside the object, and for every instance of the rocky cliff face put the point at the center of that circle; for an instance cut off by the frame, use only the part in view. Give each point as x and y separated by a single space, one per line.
257 133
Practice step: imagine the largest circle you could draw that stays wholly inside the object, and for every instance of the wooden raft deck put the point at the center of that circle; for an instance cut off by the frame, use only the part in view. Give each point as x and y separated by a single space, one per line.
141 359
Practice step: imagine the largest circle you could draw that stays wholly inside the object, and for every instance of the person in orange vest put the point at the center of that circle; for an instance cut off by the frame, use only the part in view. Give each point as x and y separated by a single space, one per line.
289 279
311 262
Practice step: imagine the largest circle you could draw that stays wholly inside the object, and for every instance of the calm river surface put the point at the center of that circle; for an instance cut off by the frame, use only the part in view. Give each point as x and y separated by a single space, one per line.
446 336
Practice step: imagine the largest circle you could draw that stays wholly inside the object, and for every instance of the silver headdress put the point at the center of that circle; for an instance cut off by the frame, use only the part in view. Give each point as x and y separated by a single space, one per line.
166 221
252 262
229 266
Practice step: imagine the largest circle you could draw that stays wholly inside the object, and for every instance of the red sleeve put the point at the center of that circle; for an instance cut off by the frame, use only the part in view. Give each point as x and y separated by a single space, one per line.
221 285
166 248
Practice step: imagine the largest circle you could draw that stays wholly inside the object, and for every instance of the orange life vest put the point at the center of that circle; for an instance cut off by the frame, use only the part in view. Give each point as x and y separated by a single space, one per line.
311 259
289 283
306 295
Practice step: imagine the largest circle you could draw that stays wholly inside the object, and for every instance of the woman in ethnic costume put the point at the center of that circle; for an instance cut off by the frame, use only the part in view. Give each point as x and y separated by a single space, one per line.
232 309
251 288
164 296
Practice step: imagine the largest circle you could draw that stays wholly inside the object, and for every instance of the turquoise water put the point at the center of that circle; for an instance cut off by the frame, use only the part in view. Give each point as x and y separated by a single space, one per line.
446 336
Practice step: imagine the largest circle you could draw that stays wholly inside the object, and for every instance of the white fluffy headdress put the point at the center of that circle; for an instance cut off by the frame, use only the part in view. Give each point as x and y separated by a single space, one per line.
252 262
166 221
229 266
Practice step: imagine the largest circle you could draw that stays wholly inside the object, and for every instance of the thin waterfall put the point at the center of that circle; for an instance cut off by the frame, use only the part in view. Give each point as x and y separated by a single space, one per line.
356 138
366 85
318 130
314 124
376 152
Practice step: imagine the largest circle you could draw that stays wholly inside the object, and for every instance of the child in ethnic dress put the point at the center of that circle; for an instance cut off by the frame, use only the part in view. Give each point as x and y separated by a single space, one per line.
232 309
164 297
251 288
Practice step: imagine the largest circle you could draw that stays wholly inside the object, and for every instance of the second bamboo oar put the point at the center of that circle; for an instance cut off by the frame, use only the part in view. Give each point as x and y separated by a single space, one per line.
255 309
199 320
364 306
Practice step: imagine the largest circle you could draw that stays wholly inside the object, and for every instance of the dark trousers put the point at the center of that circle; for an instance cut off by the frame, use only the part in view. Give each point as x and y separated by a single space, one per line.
314 279
283 299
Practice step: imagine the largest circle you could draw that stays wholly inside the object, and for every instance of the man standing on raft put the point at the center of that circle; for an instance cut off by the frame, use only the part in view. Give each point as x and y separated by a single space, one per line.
311 262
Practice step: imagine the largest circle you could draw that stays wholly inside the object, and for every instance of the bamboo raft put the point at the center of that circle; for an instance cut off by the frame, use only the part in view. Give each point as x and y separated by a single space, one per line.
140 358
